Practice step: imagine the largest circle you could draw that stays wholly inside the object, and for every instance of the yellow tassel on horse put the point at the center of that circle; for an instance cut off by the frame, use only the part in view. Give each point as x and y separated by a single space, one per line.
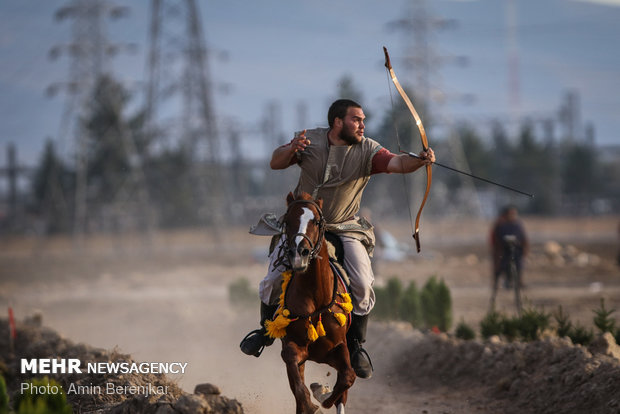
346 305
341 318
320 329
312 335
277 327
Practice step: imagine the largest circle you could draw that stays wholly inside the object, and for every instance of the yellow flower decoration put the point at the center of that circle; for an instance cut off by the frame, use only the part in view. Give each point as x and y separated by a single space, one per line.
277 327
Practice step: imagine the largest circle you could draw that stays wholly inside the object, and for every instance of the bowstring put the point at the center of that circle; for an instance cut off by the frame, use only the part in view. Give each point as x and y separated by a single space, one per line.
389 82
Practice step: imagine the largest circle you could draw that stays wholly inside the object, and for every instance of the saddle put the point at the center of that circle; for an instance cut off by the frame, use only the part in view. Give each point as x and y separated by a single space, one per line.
336 258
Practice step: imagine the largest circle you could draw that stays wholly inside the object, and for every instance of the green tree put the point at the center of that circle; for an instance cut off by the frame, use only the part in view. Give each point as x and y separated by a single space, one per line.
388 300
107 131
436 304
580 175
171 190
532 170
610 186
477 156
410 307
53 189
502 152
603 320
116 147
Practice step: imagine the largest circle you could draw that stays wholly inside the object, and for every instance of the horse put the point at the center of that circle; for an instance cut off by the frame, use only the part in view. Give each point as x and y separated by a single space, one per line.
311 297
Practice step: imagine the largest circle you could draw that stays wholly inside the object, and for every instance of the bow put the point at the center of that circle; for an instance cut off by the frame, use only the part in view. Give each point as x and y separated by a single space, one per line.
418 121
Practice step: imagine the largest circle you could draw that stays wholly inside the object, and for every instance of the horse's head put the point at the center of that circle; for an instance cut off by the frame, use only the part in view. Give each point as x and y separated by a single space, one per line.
304 228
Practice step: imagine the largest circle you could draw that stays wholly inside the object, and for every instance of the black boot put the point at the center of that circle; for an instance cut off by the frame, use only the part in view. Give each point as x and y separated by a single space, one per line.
356 336
256 341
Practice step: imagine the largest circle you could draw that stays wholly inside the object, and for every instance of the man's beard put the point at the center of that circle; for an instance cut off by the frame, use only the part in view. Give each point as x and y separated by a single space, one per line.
348 136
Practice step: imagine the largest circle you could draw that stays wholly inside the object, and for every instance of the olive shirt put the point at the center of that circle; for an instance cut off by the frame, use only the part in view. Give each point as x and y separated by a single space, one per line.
338 175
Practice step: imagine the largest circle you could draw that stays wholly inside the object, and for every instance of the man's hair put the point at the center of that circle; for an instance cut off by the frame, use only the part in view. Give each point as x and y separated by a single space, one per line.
339 110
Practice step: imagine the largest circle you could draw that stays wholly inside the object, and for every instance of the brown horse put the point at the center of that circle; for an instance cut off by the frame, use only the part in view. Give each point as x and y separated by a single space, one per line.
312 297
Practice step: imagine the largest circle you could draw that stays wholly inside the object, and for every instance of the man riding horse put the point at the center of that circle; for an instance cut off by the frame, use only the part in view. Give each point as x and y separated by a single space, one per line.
336 164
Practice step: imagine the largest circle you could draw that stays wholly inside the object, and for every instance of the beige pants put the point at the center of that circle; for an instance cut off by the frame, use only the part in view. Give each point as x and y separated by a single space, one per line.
356 263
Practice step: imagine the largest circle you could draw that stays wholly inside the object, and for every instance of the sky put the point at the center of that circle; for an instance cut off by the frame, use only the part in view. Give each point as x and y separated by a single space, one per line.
288 52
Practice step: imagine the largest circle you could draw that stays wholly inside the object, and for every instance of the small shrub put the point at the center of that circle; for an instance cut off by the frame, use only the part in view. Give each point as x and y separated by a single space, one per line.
4 397
410 308
532 323
510 327
603 320
564 325
580 335
436 304
491 324
387 300
46 403
394 291
430 307
241 293
379 310
464 331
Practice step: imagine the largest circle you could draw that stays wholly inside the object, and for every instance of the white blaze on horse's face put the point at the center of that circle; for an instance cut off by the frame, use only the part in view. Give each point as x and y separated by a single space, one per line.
300 262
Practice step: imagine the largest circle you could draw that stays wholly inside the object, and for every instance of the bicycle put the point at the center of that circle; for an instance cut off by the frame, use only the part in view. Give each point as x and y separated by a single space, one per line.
510 268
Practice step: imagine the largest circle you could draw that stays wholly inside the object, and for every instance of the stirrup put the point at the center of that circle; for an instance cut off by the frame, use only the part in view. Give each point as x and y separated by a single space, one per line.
248 337
358 372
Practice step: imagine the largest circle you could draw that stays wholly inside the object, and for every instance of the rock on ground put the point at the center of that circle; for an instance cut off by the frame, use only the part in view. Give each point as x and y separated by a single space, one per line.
34 341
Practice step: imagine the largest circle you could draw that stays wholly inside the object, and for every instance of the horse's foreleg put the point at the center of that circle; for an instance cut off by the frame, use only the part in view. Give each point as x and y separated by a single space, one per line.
292 356
339 359
302 371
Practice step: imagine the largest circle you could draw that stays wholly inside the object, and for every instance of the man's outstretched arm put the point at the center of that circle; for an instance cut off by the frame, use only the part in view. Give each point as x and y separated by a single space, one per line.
404 163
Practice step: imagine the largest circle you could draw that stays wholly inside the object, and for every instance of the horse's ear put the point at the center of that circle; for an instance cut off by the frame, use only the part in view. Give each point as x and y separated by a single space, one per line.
319 202
290 198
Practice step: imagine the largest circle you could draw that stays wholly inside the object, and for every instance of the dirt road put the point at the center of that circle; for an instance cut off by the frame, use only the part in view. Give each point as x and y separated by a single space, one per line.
170 303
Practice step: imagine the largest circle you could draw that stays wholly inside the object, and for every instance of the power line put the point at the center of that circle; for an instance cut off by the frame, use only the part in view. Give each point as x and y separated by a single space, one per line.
179 99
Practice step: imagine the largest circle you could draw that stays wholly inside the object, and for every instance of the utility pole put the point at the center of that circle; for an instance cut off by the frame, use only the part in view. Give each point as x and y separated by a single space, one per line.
89 53
271 127
12 172
513 62
179 100
423 64
570 118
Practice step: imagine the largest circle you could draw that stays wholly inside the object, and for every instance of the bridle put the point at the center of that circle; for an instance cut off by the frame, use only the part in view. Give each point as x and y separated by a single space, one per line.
288 243
284 259
320 223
